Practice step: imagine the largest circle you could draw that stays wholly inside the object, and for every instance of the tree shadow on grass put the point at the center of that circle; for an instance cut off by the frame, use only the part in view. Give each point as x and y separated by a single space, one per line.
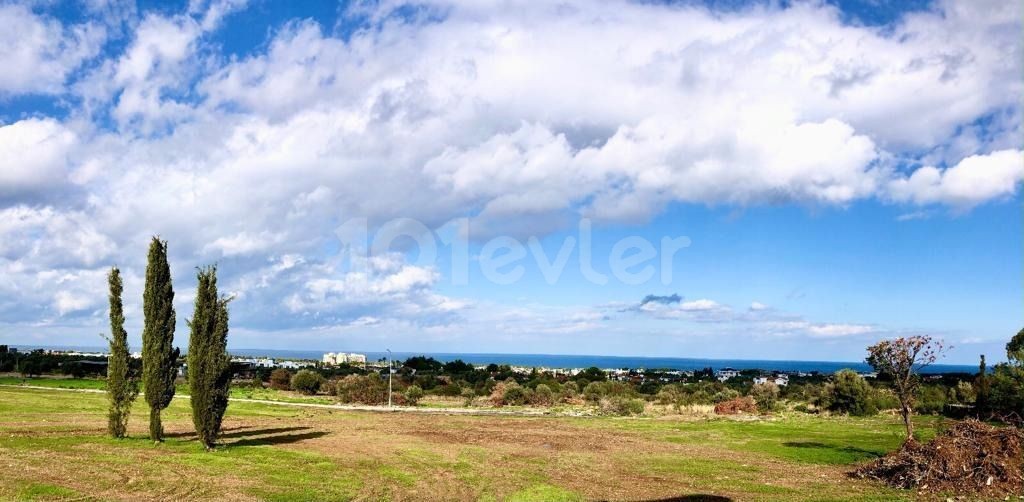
844 449
697 497
243 431
276 439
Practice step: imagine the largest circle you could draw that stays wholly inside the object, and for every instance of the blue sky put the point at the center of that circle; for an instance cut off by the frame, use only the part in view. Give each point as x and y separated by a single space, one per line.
841 172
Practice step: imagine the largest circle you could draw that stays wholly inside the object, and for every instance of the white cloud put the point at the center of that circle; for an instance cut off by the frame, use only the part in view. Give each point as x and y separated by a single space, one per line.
972 181
33 156
38 53
523 117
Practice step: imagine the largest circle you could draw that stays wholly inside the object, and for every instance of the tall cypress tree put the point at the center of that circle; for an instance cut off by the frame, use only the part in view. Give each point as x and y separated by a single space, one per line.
158 352
981 390
122 384
209 366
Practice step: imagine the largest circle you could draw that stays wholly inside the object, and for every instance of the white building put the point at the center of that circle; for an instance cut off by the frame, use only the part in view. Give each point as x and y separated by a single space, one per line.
332 358
727 373
781 380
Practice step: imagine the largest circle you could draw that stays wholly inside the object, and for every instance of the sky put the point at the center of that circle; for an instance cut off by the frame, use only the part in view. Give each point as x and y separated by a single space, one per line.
761 180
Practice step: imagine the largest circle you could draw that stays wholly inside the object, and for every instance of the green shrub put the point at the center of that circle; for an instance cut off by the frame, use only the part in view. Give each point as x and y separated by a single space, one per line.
570 391
307 382
593 392
543 395
515 396
766 395
850 393
622 406
413 394
803 408
468 396
362 389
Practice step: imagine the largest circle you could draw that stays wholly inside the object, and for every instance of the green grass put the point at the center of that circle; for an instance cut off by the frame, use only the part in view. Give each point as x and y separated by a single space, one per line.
544 493
796 437
57 437
43 491
60 383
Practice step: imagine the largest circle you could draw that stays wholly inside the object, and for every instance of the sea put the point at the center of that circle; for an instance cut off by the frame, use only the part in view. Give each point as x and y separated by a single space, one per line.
574 361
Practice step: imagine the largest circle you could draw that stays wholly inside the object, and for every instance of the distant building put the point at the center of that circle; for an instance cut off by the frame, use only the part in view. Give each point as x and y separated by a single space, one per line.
781 380
332 358
262 362
727 373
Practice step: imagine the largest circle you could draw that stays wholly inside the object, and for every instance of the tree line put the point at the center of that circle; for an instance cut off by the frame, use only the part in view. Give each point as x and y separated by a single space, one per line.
209 365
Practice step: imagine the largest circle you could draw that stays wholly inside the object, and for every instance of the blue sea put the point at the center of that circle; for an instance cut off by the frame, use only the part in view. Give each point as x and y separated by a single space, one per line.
580 361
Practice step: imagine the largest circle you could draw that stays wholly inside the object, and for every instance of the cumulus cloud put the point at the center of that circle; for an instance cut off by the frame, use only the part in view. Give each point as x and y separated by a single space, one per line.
38 53
972 181
526 117
34 156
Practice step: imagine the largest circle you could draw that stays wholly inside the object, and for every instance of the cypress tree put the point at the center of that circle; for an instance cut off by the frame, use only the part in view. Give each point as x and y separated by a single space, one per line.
981 390
209 366
122 384
158 353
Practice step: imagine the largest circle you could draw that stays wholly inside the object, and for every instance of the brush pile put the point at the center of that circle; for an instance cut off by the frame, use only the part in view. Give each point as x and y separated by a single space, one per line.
736 406
970 457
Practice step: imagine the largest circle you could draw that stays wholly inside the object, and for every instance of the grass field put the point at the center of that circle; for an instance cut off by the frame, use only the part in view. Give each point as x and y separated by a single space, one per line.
53 446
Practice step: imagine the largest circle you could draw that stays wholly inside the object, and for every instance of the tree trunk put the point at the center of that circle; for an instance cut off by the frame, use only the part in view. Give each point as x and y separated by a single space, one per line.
156 429
905 411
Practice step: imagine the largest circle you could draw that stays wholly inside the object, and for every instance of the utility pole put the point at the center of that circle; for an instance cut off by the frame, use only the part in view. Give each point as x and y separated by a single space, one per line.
390 371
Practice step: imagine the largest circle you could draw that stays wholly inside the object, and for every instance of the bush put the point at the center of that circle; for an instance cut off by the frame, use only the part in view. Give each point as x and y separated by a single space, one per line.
413 394
963 393
363 389
468 396
594 391
622 406
766 395
281 379
1006 398
450 390
931 399
543 396
515 396
508 393
570 391
307 382
851 394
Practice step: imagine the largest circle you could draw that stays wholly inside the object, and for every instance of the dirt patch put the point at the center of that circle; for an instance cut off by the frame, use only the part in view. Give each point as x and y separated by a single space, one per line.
529 434
971 457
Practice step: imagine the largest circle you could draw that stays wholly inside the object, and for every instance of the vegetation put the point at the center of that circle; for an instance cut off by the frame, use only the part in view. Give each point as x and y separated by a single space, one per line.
850 393
766 395
122 384
280 379
307 382
901 359
158 352
209 365
282 453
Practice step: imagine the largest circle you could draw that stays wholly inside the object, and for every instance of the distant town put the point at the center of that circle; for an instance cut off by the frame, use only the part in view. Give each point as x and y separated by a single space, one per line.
245 364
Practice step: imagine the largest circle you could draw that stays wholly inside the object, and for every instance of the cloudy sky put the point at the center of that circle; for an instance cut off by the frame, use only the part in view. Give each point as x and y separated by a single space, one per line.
504 175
